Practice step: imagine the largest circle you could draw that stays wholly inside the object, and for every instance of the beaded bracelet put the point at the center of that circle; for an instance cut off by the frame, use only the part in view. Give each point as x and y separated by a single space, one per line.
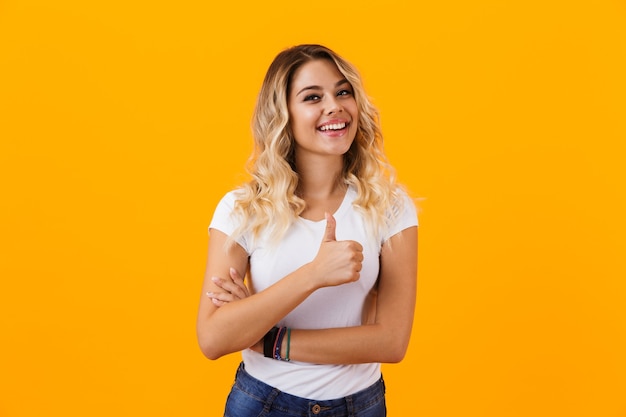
273 342
279 343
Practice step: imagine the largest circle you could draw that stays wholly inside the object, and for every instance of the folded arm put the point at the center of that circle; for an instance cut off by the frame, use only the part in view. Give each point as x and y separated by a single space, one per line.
239 324
384 337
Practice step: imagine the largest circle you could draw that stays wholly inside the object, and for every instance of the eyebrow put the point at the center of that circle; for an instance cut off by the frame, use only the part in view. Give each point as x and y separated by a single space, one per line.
317 87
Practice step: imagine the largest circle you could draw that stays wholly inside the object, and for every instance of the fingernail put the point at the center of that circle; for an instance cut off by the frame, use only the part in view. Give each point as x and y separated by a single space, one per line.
233 270
215 279
210 294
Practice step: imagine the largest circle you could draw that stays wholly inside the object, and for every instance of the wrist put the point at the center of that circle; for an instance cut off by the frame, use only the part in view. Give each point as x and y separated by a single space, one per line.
276 343
269 341
310 278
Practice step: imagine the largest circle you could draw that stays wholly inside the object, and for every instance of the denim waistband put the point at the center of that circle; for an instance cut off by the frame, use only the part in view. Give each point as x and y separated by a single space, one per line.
288 403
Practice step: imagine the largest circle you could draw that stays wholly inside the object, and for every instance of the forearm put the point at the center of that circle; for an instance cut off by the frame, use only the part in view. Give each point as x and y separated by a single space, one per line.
240 324
349 345
385 335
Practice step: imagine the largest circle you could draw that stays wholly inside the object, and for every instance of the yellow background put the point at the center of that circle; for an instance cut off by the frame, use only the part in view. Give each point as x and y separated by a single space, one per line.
123 123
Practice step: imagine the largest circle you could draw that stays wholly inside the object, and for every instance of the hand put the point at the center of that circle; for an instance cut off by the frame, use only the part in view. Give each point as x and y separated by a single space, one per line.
234 289
337 262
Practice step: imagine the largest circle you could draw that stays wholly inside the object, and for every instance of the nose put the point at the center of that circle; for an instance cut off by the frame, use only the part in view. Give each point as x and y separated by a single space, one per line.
333 106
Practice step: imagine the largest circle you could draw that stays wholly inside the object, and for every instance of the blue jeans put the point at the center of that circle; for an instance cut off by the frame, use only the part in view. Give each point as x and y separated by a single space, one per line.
250 397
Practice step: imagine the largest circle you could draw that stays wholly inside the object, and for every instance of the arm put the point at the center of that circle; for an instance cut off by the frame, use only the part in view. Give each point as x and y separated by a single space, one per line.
241 323
385 336
387 339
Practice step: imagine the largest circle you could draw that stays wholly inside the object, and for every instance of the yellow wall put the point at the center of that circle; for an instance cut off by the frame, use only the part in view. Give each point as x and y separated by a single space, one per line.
122 124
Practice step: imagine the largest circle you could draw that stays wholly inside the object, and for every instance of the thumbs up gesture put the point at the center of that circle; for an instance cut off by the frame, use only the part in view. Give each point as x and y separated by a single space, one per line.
336 262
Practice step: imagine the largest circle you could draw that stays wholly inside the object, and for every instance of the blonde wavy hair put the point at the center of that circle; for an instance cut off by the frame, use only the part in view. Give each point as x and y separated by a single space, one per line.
268 203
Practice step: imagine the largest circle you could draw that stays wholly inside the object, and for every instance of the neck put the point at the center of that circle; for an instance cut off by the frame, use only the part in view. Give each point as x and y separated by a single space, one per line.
320 178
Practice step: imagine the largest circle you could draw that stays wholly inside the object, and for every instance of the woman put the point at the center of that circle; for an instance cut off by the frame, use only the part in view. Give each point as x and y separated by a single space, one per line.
328 241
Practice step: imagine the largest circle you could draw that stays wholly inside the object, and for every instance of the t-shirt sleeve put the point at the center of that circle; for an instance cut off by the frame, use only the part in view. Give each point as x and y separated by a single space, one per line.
406 217
224 221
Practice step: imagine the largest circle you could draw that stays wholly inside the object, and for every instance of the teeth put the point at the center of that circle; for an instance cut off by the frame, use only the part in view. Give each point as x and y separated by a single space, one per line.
335 126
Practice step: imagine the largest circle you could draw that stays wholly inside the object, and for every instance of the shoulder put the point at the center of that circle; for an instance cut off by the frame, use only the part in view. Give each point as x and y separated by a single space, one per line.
404 204
230 197
224 210
226 221
403 213
228 201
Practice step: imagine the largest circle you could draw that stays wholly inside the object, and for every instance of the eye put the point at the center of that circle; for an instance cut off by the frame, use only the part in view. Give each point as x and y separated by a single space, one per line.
344 93
311 97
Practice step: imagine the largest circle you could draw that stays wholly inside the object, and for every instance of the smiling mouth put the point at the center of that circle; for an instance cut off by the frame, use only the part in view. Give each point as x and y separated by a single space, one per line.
333 127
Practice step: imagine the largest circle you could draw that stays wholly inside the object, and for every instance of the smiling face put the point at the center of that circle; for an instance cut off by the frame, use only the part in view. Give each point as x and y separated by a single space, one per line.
322 110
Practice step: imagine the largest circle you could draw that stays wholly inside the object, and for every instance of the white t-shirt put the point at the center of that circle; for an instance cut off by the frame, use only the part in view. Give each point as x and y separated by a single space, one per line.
330 307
